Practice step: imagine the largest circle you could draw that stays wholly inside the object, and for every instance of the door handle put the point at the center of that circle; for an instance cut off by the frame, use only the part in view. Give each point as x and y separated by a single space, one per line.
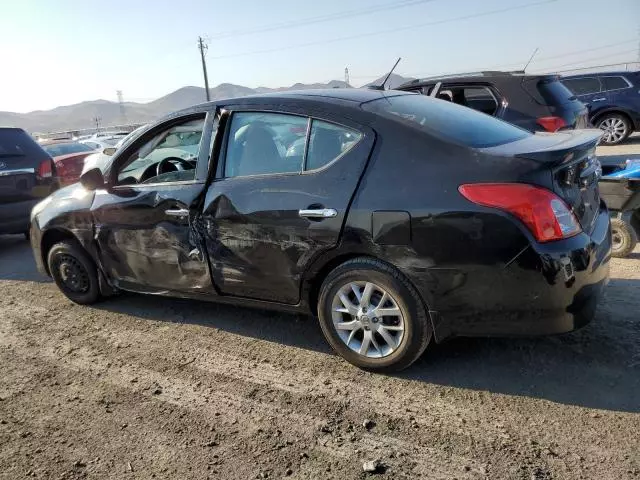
318 213
177 212
601 99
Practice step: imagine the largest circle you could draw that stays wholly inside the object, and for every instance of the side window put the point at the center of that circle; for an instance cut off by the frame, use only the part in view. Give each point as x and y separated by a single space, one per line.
477 98
168 156
614 83
262 143
328 142
583 86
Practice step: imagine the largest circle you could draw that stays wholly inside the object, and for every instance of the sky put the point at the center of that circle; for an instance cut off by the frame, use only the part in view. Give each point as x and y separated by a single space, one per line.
61 52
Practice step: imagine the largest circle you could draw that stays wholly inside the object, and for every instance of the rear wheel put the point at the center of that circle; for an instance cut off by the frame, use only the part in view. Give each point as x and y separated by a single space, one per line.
616 128
372 316
74 272
623 238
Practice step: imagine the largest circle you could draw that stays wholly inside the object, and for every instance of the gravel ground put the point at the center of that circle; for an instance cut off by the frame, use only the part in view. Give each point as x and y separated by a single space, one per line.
147 387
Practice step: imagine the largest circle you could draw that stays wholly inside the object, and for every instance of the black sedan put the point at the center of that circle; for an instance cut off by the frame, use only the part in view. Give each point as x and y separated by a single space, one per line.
397 219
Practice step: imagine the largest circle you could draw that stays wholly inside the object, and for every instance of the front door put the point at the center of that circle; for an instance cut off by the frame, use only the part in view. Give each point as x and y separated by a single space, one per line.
143 220
283 188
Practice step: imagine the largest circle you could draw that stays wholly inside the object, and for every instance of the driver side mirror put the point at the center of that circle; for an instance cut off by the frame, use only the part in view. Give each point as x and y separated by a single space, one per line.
109 151
92 179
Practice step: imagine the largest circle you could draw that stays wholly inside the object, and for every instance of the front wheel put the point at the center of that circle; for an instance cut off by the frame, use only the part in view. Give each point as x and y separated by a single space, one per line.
372 316
623 238
74 272
616 128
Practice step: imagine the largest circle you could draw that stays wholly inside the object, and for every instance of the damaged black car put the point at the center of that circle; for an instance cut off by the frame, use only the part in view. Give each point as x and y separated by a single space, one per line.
397 219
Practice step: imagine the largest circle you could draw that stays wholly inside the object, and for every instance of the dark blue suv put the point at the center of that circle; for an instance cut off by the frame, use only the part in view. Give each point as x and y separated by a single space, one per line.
613 99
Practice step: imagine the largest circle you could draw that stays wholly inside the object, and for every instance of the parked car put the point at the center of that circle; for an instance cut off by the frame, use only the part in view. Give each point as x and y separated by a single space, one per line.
533 102
101 158
69 158
613 99
403 220
100 143
620 189
27 175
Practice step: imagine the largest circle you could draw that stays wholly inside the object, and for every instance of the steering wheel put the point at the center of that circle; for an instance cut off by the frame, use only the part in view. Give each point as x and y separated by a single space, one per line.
162 164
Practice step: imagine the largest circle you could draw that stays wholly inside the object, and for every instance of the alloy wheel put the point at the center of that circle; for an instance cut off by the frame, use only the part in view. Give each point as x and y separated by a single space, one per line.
615 129
368 319
616 240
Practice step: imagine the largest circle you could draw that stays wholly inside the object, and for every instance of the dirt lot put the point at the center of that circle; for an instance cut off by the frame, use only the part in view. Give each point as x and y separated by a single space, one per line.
145 387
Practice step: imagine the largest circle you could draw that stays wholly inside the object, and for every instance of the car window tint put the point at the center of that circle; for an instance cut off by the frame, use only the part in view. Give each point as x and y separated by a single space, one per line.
478 98
263 143
583 86
328 142
447 120
173 150
614 83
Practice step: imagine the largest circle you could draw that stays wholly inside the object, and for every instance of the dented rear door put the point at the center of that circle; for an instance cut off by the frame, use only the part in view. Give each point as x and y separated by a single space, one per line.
262 231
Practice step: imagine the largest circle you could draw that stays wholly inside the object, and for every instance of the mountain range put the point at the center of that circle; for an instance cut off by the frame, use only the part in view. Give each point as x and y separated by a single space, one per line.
81 115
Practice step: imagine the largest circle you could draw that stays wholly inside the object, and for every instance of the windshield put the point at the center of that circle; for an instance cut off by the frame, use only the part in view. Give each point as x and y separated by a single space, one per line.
447 120
57 149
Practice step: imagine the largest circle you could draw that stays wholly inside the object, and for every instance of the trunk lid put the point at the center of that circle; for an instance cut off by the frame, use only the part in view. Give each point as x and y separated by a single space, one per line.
571 160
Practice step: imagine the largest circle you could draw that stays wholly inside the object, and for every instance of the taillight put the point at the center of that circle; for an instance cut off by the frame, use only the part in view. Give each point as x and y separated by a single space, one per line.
551 124
545 214
45 169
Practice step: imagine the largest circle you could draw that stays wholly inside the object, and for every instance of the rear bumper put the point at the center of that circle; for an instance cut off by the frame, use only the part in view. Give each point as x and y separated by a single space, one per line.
14 217
547 289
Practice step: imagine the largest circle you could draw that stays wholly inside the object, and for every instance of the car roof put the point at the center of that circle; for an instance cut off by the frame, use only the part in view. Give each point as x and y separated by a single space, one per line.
337 96
491 76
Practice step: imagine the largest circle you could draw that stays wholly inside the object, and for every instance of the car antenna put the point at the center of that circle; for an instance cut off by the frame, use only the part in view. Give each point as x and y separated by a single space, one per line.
386 79
530 59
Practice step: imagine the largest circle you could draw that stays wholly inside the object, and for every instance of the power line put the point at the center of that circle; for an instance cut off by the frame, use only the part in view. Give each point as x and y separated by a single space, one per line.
323 18
203 48
539 59
587 60
382 32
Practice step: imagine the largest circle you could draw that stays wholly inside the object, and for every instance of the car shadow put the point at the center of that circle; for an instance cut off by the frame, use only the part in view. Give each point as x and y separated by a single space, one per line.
596 367
16 260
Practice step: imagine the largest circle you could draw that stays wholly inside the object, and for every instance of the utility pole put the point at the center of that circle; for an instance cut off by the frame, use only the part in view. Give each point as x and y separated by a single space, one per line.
121 103
346 75
203 48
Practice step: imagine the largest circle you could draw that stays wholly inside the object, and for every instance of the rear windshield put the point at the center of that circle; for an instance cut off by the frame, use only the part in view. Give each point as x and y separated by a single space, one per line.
555 93
453 122
16 143
57 149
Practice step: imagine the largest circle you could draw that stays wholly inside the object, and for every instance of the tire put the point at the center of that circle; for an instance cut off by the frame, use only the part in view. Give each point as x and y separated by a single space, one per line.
74 272
617 128
624 238
411 327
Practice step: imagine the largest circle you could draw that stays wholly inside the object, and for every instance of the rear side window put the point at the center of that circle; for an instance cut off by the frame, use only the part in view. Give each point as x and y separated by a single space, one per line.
614 83
555 93
262 143
583 86
447 120
328 142
16 143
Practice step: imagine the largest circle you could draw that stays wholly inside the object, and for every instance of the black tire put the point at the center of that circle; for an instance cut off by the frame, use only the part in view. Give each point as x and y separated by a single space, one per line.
74 272
417 325
614 118
624 238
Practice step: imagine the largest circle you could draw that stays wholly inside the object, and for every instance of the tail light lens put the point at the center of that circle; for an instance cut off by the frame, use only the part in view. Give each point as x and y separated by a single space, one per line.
545 214
45 169
551 124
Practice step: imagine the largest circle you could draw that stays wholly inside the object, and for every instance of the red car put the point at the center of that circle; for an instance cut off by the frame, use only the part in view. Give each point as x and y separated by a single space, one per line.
68 158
